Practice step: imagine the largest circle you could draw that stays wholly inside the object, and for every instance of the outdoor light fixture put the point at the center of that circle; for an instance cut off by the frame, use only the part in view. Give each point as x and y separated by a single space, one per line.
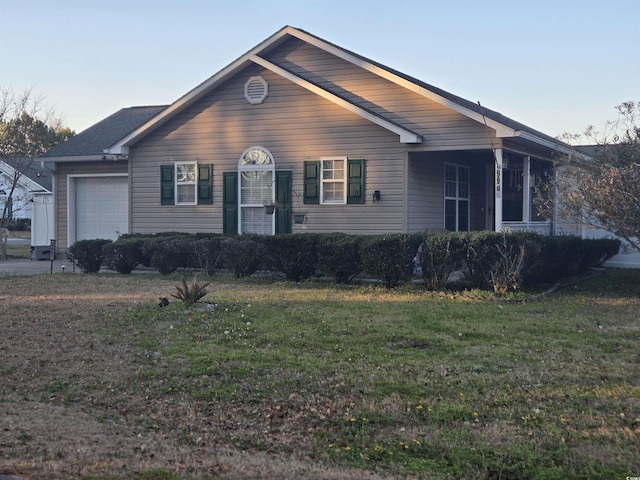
376 196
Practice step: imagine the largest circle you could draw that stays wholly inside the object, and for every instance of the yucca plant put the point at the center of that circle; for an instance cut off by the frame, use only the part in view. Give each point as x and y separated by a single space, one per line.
190 293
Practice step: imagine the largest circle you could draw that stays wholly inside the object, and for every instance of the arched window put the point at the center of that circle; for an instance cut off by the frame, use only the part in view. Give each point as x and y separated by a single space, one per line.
256 170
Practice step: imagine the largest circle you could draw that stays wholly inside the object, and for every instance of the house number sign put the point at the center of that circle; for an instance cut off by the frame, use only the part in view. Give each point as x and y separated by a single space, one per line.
498 180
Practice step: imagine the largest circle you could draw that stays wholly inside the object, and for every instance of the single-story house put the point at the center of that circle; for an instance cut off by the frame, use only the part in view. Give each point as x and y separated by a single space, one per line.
324 138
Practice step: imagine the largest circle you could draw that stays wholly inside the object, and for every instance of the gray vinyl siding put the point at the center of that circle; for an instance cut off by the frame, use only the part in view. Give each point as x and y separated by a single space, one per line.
426 194
63 170
441 127
294 125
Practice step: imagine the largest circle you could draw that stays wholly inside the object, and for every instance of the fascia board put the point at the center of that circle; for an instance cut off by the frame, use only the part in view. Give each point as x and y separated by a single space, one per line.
406 136
501 130
541 141
78 158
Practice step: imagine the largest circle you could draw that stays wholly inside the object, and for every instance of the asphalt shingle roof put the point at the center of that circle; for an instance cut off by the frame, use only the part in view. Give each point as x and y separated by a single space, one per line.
105 133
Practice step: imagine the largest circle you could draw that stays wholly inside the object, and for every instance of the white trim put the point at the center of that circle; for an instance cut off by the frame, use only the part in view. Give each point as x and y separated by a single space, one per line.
457 197
497 190
71 201
406 136
192 183
526 189
501 130
122 147
345 165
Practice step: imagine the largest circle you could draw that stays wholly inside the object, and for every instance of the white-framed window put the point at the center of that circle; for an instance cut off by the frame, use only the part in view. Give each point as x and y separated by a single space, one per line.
186 183
256 170
456 197
333 181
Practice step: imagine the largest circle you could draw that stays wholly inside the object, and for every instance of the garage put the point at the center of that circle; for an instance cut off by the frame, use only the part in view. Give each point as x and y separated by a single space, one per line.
99 205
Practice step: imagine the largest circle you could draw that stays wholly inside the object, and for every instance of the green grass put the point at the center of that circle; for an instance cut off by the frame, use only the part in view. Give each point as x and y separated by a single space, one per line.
408 382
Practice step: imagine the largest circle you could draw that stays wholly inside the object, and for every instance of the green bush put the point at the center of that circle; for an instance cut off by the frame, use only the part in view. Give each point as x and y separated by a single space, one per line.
390 258
294 256
339 256
168 253
88 255
123 255
439 256
242 255
208 252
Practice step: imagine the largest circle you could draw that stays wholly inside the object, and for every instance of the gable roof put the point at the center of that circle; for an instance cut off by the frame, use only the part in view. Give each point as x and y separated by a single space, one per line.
90 144
503 126
34 177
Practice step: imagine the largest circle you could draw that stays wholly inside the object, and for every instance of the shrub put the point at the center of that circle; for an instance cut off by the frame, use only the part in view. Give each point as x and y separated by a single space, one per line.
123 255
168 253
439 256
339 256
390 257
208 252
190 294
242 255
292 255
87 254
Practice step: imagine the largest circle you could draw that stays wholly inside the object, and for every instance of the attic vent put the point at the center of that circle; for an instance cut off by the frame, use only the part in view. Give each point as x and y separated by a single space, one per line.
256 90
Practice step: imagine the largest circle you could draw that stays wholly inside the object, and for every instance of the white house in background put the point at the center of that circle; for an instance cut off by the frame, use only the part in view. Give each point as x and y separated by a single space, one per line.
34 179
628 256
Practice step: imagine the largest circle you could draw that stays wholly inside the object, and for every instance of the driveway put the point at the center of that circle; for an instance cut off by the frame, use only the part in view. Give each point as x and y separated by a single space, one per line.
24 266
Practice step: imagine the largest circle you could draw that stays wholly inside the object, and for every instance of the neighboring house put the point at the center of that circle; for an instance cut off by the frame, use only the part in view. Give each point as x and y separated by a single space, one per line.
335 141
33 179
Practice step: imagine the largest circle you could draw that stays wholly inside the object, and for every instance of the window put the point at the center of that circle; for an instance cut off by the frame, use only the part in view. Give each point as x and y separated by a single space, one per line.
185 183
257 173
456 198
334 181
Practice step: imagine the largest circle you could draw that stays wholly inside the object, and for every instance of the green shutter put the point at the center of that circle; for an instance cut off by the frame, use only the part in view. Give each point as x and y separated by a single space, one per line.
166 185
230 201
283 202
355 181
205 184
311 194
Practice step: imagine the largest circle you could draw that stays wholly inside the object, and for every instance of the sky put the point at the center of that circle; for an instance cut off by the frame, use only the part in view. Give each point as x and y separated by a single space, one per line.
555 65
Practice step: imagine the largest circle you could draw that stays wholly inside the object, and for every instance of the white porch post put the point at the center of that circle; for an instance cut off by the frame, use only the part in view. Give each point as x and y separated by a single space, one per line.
497 207
526 189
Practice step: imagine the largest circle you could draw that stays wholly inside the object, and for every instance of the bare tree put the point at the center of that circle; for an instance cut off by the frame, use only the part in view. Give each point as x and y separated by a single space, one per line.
28 128
599 185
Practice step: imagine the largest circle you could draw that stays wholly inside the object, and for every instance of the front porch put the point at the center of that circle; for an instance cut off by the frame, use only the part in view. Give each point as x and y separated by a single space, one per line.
477 190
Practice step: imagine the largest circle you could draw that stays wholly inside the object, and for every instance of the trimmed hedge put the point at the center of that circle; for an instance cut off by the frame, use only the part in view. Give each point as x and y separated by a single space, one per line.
339 256
88 254
168 253
242 255
123 255
294 256
487 260
390 258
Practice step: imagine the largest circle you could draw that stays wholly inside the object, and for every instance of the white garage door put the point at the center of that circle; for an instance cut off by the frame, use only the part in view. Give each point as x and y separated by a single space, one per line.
102 207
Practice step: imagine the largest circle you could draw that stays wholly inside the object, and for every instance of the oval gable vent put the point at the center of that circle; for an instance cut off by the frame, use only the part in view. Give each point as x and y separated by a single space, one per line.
256 90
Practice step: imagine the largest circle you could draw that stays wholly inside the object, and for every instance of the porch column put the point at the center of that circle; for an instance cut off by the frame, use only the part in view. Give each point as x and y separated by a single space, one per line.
497 207
526 189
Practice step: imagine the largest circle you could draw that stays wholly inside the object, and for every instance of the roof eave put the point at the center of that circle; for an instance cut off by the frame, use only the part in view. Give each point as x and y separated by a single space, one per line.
75 158
543 142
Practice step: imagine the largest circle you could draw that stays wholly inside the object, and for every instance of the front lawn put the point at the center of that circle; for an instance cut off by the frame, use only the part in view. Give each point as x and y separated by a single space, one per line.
278 380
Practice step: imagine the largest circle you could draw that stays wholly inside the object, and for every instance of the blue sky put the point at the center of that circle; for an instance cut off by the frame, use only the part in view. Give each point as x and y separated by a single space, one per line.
555 65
